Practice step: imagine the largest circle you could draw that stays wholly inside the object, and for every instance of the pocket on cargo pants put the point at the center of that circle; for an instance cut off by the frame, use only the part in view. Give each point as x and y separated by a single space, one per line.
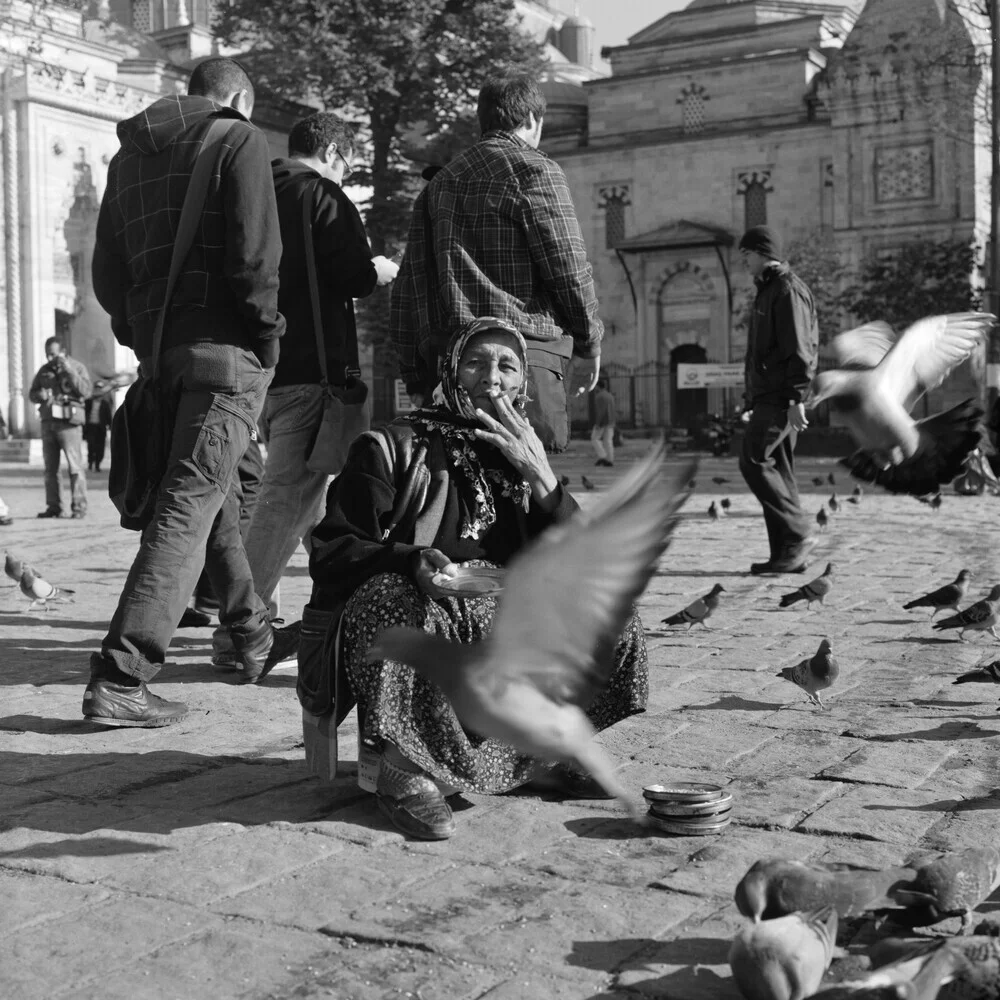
224 437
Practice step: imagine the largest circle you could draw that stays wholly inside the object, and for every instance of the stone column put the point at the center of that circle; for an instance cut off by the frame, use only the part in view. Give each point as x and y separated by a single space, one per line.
12 239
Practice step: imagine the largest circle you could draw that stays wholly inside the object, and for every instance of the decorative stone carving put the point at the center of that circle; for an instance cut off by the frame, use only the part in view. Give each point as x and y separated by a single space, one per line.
904 173
617 192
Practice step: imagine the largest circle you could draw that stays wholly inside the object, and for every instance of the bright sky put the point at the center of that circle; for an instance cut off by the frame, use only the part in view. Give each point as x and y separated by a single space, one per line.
615 20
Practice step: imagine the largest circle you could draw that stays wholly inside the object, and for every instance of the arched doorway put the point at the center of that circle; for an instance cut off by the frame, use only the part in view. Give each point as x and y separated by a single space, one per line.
688 405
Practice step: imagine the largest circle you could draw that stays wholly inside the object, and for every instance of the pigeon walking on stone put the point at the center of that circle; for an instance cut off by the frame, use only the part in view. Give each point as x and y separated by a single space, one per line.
775 887
818 481
834 503
978 617
878 380
698 611
784 958
713 512
719 480
950 595
814 591
815 674
13 566
989 674
587 484
40 592
935 502
565 602
831 479
725 504
952 886
822 519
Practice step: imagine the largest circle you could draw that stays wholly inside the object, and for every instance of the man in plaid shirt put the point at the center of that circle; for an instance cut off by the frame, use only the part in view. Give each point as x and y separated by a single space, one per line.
495 234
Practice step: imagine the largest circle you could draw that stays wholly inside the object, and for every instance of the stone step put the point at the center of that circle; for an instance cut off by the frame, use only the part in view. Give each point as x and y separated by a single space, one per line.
27 451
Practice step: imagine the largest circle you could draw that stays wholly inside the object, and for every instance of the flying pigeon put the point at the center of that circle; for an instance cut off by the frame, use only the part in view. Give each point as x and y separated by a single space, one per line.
978 617
775 887
587 484
40 592
784 958
821 519
566 600
817 481
990 674
815 674
698 611
725 504
952 886
13 566
713 511
878 381
918 975
950 595
814 591
834 503
719 480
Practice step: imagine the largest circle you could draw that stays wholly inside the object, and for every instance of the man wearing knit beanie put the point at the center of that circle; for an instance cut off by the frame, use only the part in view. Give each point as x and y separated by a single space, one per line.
782 344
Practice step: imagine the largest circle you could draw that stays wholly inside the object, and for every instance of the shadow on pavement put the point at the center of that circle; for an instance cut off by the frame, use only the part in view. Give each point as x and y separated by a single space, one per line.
989 801
929 640
946 731
707 574
13 618
889 621
97 847
734 703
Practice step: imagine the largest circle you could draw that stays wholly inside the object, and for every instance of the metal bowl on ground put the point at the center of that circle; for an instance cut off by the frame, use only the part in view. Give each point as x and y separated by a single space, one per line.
691 809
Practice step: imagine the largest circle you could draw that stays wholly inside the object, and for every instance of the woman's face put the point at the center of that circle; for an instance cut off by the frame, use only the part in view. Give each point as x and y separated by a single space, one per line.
490 364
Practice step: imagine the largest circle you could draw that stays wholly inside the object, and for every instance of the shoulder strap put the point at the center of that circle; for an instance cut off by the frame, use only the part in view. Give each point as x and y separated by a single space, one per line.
191 211
351 346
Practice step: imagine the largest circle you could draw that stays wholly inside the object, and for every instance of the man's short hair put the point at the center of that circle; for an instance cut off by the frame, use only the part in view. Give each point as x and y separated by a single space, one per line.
506 102
313 134
218 77
56 341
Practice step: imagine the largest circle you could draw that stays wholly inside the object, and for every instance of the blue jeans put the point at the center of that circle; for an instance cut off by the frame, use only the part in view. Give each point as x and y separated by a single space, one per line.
291 499
219 394
60 437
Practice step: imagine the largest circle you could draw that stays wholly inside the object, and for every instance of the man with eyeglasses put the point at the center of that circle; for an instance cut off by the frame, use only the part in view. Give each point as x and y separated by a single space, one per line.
290 503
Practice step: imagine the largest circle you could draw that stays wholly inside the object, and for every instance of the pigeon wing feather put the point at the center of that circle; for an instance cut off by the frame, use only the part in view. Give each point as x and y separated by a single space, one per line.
568 596
863 347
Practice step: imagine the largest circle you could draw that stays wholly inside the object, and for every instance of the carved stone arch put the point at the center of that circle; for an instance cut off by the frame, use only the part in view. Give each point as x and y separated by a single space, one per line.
700 278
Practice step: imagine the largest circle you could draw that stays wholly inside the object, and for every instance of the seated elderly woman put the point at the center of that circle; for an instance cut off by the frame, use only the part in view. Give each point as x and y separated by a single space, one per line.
488 489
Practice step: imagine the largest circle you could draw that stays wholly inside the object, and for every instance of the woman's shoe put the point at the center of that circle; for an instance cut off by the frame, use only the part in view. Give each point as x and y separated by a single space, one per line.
413 803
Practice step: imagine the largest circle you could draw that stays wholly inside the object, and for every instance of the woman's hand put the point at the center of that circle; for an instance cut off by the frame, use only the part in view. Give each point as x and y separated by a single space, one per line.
520 445
430 562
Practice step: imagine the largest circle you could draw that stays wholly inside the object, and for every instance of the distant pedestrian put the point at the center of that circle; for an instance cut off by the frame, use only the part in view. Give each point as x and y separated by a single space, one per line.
782 345
60 388
99 411
602 434
495 233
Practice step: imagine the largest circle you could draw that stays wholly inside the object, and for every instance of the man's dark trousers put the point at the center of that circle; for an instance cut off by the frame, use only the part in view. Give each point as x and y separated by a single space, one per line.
220 393
772 479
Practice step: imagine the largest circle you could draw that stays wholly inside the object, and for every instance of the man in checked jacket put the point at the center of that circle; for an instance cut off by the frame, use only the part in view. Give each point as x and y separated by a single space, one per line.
495 234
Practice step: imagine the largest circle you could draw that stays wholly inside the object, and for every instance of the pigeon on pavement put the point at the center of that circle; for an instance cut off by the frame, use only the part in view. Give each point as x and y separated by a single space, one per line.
950 595
952 886
587 484
831 479
13 566
834 503
814 591
698 611
784 958
854 500
818 481
713 511
775 887
990 674
878 380
565 601
719 480
857 491
822 519
978 617
814 674
725 504
39 591
935 502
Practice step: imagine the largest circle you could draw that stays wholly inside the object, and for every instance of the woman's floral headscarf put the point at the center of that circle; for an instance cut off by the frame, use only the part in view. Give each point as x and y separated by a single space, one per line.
480 466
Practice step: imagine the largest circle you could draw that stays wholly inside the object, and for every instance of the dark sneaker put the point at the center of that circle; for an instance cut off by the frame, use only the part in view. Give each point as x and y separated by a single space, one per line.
112 704
50 513
248 651
286 645
413 803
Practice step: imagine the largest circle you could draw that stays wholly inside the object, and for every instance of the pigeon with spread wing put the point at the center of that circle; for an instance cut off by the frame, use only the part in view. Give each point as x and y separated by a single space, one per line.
565 602
878 380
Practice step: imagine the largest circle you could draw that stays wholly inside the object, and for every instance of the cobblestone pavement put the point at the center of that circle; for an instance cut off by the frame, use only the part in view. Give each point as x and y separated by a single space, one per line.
200 860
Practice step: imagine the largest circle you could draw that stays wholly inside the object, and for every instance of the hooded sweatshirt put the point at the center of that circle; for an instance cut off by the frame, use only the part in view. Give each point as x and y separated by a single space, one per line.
344 272
227 291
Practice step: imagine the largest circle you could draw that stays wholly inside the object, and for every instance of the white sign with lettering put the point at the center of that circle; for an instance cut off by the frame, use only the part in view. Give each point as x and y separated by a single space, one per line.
709 376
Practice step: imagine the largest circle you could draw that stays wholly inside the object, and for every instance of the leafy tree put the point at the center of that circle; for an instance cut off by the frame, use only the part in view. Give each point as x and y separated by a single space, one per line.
922 278
817 261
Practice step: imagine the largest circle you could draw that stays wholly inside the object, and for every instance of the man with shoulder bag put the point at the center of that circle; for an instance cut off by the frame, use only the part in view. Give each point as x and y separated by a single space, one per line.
317 403
60 388
204 322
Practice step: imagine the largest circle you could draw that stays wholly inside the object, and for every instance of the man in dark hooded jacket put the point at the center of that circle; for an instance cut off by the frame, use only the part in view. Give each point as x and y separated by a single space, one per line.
220 346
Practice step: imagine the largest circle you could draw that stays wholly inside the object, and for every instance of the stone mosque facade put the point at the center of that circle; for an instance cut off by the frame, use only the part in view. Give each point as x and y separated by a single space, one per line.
725 114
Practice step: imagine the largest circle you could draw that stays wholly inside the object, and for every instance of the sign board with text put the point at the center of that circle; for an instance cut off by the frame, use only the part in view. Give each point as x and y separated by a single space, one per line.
402 402
709 376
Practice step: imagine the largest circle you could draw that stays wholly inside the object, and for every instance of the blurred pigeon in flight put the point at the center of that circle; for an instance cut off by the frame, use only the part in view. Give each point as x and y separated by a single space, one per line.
978 617
815 674
697 611
878 381
950 595
565 602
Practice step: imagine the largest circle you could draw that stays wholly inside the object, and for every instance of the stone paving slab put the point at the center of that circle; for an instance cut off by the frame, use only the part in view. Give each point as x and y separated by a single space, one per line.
202 860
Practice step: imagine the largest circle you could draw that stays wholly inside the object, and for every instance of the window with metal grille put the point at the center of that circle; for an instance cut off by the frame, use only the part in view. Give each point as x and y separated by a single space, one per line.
693 113
614 222
755 205
140 16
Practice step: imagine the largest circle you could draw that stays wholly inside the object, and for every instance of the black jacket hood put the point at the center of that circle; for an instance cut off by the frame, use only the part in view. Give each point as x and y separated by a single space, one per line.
154 128
287 171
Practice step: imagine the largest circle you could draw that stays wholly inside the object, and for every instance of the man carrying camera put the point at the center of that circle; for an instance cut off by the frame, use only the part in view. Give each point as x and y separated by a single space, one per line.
60 388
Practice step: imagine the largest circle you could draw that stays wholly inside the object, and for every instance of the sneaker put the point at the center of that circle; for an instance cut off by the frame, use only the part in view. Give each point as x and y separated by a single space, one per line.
249 650
286 645
50 513
413 803
791 560
112 704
